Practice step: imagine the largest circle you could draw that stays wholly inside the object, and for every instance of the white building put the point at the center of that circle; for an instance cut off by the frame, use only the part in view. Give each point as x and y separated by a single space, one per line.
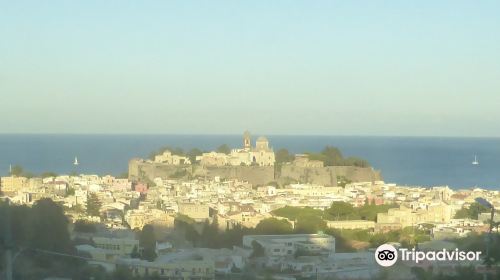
288 244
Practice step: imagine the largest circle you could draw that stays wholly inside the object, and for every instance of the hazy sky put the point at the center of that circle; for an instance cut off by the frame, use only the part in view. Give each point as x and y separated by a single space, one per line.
273 67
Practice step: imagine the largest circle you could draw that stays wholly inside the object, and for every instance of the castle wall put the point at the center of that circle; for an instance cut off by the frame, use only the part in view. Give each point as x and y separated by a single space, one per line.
327 176
258 175
151 170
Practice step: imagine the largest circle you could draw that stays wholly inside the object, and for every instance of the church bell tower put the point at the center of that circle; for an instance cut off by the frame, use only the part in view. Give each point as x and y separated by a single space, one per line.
247 144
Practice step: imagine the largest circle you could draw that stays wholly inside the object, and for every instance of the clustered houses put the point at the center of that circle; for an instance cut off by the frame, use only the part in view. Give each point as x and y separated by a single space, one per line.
126 206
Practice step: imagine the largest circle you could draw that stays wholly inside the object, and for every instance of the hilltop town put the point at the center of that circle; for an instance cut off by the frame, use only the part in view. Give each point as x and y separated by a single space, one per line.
242 213
258 165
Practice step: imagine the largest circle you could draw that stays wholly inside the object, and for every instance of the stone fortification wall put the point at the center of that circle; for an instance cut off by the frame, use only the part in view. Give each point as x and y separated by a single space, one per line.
257 175
327 176
138 168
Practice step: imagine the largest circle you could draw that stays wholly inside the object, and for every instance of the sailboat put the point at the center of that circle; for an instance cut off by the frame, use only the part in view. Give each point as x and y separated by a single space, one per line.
475 162
76 161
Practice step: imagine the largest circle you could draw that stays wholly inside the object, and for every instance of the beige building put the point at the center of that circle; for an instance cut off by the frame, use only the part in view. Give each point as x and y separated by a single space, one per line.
306 190
118 246
434 213
168 158
176 269
351 224
12 184
138 218
213 159
194 211
262 154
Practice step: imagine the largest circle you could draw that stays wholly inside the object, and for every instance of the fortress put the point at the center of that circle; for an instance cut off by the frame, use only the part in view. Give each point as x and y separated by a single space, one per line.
253 164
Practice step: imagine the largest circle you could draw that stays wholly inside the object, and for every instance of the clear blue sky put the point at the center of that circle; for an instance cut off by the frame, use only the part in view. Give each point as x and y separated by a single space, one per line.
273 67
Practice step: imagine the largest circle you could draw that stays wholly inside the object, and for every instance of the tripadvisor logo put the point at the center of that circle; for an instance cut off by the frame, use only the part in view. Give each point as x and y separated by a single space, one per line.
387 255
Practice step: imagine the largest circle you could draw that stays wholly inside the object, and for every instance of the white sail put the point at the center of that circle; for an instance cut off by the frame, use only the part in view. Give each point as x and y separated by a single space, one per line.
475 162
76 161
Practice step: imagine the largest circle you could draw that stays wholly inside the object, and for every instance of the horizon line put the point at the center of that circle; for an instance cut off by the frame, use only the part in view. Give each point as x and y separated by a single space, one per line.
239 134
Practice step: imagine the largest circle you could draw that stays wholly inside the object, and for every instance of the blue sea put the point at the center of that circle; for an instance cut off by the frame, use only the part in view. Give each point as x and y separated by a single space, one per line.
413 161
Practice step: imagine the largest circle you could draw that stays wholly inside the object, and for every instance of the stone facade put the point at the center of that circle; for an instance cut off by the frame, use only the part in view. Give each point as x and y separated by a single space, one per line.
257 175
195 211
327 176
168 158
406 217
302 160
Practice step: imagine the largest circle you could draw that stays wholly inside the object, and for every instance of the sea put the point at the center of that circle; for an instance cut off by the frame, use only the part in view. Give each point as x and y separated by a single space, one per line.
410 161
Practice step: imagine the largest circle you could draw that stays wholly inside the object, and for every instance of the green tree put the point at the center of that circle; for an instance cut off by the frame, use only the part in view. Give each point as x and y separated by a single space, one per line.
93 205
355 161
122 273
293 213
49 227
257 250
342 211
135 253
422 274
209 237
382 238
17 170
472 212
224 148
369 211
234 236
70 191
333 156
274 226
147 240
310 224
20 223
48 174
193 153
282 155
85 226
175 151
411 236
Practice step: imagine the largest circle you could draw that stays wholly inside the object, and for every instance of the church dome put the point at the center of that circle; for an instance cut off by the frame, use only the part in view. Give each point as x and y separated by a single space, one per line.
262 139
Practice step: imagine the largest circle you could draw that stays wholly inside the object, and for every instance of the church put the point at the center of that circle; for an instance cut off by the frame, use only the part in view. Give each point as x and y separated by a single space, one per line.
260 155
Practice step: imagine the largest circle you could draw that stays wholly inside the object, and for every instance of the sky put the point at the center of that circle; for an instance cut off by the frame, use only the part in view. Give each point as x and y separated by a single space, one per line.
399 68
